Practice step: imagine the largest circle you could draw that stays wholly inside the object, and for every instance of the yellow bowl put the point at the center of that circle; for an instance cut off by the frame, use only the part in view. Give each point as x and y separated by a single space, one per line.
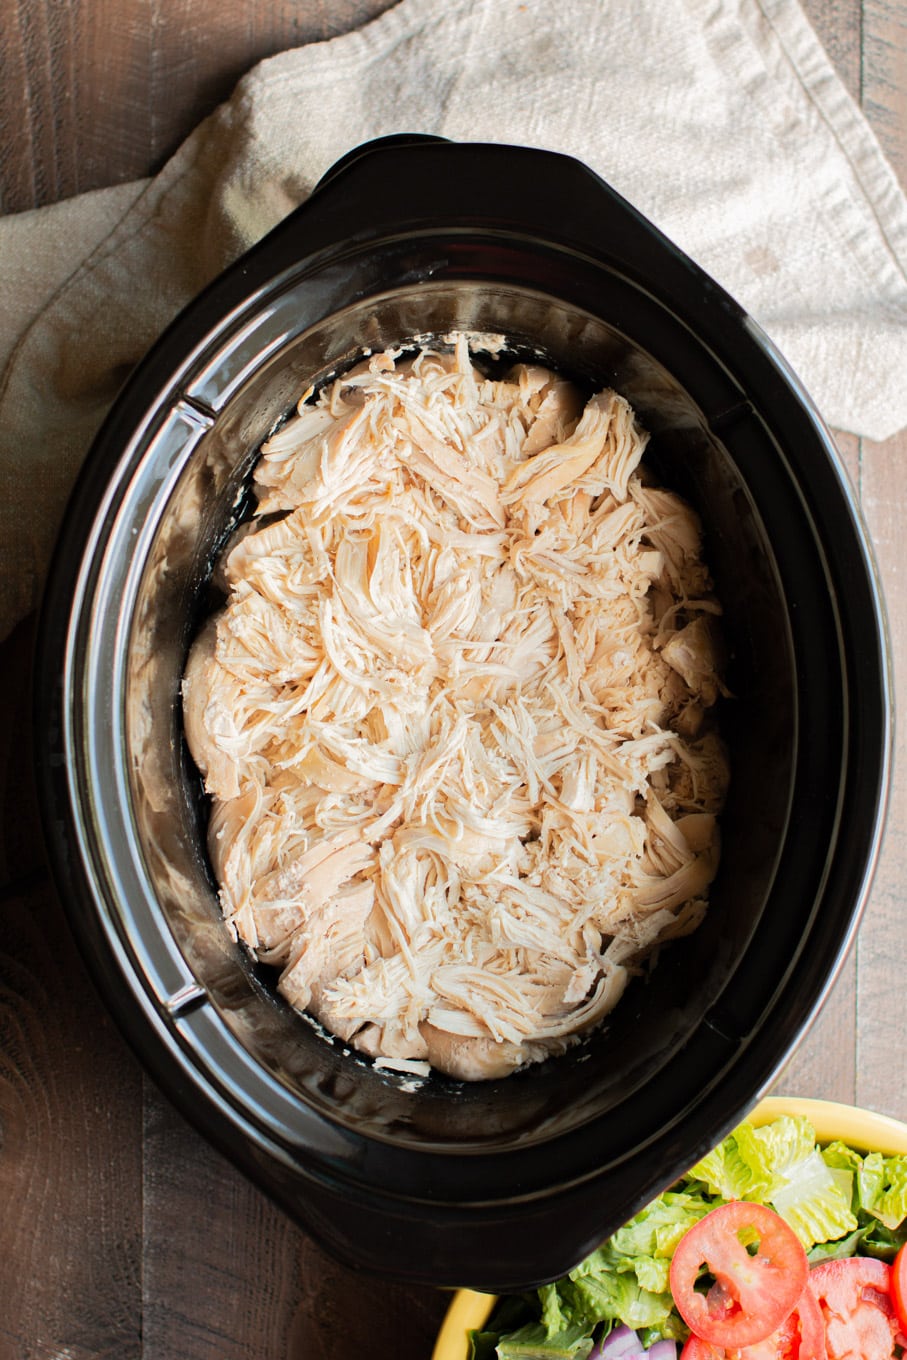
861 1129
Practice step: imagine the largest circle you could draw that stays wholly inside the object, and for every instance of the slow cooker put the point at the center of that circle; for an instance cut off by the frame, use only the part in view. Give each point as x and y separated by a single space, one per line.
504 1184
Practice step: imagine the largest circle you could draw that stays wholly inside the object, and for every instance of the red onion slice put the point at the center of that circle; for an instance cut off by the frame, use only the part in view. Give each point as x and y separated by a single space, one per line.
620 1341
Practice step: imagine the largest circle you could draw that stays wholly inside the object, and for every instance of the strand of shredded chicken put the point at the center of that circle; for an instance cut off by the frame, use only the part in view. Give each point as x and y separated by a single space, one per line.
452 716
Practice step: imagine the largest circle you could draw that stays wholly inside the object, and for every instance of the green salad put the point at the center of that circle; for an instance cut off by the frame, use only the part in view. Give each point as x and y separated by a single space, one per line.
838 1202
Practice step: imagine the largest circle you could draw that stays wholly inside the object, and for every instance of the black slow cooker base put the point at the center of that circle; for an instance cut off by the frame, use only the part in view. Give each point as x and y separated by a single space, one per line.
503 1183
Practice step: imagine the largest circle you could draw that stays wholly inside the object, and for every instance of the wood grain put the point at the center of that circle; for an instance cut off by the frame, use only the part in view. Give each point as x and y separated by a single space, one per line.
220 1281
70 1099
838 25
71 1151
21 844
97 92
884 77
237 1280
881 1058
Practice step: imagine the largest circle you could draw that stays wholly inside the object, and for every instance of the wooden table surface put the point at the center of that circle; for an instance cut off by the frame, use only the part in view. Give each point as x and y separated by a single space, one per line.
122 1234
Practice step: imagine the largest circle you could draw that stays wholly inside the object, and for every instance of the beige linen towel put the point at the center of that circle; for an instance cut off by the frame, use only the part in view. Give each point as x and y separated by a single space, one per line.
721 120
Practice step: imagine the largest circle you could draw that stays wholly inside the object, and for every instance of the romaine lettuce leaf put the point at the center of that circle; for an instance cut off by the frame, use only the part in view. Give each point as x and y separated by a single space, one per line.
626 1279
870 1181
750 1161
841 1157
835 1251
889 1204
879 1183
779 1164
729 1173
877 1240
812 1201
553 1316
532 1343
618 1297
656 1230
483 1345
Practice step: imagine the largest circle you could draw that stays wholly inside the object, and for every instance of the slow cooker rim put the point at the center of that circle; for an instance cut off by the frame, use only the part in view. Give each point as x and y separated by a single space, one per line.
94 472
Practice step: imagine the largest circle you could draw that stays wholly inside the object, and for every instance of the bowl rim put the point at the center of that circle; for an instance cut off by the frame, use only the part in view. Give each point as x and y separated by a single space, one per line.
865 1130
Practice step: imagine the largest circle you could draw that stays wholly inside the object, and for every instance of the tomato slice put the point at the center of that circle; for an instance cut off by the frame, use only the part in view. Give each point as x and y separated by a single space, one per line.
801 1336
899 1287
855 1300
697 1349
753 1293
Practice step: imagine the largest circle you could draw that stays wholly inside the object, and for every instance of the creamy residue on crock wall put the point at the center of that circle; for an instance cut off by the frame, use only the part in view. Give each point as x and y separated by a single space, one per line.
453 716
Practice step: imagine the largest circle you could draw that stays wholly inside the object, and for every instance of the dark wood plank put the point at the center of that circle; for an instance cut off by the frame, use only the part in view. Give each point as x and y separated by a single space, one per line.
201 51
21 843
71 1153
101 91
70 1113
220 1278
227 1276
25 145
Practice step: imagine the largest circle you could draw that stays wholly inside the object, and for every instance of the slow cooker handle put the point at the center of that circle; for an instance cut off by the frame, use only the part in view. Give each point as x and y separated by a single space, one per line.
412 183
366 149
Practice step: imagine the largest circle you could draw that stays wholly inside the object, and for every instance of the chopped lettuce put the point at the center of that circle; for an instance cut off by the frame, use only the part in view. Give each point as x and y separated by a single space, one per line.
626 1279
780 1165
878 1184
483 1345
890 1203
836 1251
656 1230
603 1294
510 1313
864 1173
838 1202
813 1202
533 1343
737 1168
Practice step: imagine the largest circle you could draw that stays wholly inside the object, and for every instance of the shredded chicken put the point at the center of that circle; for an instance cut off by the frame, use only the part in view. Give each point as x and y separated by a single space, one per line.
454 718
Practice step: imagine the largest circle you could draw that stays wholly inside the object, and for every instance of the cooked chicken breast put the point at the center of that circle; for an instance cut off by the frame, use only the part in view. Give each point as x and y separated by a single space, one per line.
454 717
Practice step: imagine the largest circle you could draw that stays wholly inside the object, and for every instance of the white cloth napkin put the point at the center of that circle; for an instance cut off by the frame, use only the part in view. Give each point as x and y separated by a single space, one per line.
721 120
